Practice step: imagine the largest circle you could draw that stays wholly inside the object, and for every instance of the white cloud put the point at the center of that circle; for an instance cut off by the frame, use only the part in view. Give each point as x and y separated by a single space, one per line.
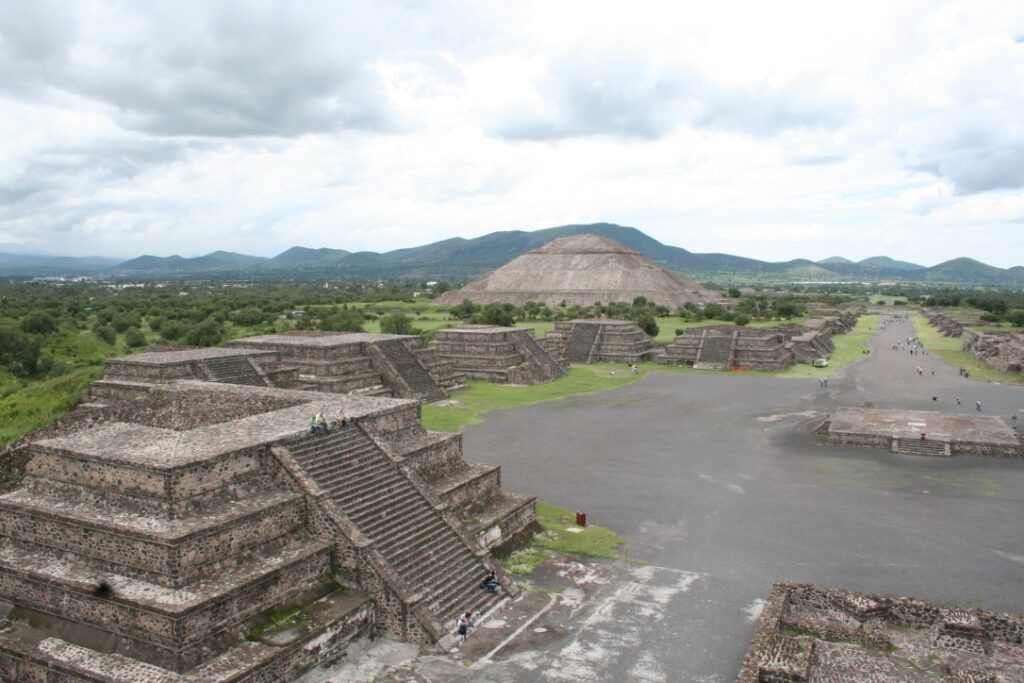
779 130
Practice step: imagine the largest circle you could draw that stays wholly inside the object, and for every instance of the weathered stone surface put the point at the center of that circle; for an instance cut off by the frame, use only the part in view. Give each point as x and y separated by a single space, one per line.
147 538
581 270
809 633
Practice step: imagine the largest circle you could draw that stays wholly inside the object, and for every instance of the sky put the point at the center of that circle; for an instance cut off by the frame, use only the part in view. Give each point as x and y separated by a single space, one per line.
773 130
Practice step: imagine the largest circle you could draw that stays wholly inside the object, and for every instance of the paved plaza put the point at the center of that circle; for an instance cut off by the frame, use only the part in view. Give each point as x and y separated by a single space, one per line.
722 489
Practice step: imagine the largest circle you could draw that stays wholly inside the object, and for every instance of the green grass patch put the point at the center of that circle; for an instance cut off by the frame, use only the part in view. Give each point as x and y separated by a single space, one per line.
42 403
525 561
949 349
483 397
555 522
591 541
279 620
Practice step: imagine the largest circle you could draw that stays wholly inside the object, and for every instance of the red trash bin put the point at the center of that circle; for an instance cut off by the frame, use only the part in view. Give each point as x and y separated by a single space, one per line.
581 518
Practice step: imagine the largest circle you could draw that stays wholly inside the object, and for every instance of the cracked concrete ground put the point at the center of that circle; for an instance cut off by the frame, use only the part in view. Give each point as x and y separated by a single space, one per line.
720 488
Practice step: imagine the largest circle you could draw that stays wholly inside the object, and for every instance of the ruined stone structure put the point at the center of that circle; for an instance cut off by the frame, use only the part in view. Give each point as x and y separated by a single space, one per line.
367 364
919 432
590 341
160 548
808 633
727 347
581 270
376 364
505 355
1002 351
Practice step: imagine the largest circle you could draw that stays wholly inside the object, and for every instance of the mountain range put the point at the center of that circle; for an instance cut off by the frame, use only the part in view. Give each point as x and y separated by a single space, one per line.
459 259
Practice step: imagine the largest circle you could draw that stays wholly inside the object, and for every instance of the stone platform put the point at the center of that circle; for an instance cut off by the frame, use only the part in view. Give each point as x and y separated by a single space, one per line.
376 364
943 434
590 341
162 549
808 633
504 355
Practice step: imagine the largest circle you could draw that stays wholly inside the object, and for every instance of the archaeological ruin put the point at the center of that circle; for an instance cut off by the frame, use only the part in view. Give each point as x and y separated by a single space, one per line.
346 363
919 432
504 355
181 529
592 341
808 633
1001 350
728 347
581 270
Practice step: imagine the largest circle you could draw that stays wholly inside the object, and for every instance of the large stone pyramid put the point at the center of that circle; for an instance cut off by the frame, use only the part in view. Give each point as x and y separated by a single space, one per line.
582 270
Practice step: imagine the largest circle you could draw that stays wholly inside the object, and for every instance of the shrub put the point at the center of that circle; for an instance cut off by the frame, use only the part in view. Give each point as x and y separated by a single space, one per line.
742 319
134 338
207 333
345 320
105 333
397 323
173 330
19 352
39 323
648 324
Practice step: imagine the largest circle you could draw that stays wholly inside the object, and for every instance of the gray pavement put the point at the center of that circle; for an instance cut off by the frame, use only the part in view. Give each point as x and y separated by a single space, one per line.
721 489
718 475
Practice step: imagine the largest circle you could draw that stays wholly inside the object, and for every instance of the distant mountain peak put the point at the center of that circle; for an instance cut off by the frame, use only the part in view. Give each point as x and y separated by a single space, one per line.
834 259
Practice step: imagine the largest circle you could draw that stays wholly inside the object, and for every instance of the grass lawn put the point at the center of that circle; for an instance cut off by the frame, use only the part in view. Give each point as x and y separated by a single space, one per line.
591 541
42 403
949 349
539 327
482 397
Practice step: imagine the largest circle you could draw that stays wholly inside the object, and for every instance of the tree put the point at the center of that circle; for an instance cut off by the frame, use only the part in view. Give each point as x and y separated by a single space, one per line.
496 314
39 323
734 293
134 338
207 333
123 321
648 324
105 333
19 352
173 330
250 315
466 310
1016 318
344 320
397 323
742 319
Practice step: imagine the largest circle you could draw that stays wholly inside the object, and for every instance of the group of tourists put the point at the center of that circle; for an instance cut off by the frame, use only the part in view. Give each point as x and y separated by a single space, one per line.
318 424
465 622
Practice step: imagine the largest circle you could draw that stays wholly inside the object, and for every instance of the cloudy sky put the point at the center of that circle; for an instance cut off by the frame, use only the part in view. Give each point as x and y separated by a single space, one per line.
766 129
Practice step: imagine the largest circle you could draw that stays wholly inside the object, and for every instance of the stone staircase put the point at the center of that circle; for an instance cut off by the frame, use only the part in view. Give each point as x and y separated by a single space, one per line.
715 353
581 344
232 370
419 381
377 496
929 447
528 346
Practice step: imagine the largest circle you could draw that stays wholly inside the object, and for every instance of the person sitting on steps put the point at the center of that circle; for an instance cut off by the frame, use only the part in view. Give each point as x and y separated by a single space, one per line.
491 583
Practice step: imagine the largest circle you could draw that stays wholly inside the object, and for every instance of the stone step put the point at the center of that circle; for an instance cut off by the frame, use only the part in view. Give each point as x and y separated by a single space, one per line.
324 460
386 525
358 507
446 569
352 482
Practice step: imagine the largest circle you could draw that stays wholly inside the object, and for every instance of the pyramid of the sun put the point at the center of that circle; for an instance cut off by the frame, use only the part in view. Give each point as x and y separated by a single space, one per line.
581 269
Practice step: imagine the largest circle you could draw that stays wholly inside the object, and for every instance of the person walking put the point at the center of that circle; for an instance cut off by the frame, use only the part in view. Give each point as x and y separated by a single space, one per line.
958 400
463 625
977 406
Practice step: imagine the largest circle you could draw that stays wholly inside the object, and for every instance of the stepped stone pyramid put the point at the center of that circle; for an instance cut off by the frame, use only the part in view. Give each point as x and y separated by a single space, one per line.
504 355
376 364
581 270
157 542
369 364
589 341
